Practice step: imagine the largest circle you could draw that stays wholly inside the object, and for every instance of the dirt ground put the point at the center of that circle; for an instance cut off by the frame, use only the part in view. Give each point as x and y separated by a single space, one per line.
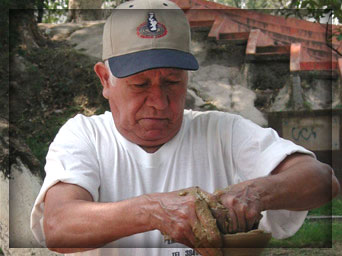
336 250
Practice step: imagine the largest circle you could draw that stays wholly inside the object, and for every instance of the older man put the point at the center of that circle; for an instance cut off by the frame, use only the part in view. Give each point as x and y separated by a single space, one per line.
117 182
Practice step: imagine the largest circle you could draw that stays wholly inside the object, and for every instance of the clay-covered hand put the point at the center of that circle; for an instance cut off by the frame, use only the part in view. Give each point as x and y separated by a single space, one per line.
244 207
184 217
218 211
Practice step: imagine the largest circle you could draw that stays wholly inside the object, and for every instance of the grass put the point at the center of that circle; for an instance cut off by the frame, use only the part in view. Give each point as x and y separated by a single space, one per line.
332 208
319 238
313 234
316 234
337 231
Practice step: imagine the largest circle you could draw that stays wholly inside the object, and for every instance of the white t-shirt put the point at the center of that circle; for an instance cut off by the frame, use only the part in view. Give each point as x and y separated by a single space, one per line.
212 150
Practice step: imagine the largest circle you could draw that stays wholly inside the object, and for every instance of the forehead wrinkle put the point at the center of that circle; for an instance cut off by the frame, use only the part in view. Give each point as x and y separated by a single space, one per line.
149 75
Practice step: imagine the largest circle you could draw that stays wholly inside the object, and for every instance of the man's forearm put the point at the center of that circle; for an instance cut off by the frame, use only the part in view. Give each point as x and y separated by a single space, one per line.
304 185
73 222
299 183
83 224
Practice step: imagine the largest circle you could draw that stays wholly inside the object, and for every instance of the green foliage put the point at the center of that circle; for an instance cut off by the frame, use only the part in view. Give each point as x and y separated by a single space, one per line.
59 83
253 4
318 9
55 11
314 8
56 4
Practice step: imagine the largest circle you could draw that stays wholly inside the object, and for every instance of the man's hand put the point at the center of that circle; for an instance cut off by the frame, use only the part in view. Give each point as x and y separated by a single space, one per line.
298 183
184 216
244 207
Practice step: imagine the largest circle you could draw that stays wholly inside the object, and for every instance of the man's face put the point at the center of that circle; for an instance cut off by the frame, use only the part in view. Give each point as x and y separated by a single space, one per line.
148 107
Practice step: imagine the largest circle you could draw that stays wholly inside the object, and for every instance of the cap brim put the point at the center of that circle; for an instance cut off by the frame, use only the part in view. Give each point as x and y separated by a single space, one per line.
133 63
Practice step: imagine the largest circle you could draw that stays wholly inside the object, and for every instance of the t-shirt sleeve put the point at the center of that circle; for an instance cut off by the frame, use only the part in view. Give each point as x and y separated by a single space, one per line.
71 159
257 152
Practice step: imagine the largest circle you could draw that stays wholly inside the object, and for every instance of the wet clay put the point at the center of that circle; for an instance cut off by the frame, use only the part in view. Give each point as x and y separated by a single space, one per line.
211 231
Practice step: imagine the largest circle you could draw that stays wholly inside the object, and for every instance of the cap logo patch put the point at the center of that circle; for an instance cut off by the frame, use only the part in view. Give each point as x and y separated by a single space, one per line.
151 28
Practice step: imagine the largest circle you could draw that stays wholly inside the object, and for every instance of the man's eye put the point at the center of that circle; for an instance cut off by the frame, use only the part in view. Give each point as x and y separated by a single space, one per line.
172 82
142 85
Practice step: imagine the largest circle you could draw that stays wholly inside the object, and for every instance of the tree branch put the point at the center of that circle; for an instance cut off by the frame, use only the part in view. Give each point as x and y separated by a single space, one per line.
327 40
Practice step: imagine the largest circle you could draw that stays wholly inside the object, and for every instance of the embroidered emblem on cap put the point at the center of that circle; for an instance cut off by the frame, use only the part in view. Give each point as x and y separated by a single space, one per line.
152 28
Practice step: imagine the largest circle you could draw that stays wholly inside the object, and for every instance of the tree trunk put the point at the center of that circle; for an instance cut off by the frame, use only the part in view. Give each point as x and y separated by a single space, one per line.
24 29
40 7
84 10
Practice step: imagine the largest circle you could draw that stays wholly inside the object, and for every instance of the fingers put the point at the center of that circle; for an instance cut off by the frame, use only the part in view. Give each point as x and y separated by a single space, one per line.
244 206
253 218
207 236
221 214
243 220
233 222
194 217
250 223
242 225
199 227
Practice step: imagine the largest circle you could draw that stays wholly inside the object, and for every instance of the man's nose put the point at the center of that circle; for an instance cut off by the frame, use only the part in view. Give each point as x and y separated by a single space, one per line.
158 98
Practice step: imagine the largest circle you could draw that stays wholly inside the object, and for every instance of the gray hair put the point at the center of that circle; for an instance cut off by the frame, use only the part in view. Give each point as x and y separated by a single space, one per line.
112 78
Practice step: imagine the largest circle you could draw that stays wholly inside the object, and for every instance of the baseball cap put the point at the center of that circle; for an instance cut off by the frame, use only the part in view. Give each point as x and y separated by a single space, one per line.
146 34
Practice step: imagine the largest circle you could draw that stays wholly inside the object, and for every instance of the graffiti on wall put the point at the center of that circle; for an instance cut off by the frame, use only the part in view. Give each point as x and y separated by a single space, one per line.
305 133
314 133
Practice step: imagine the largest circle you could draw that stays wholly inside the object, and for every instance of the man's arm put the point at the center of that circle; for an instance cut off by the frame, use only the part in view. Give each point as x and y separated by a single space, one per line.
300 182
73 222
72 219
304 180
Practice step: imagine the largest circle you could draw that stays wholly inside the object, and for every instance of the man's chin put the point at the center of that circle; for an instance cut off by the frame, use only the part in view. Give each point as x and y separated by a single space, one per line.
154 137
152 142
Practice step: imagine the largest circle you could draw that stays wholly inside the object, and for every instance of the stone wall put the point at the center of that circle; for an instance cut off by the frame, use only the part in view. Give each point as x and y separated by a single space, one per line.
319 131
269 84
220 82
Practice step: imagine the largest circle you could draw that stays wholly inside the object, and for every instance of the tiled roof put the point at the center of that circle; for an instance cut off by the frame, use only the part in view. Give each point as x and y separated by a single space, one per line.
267 36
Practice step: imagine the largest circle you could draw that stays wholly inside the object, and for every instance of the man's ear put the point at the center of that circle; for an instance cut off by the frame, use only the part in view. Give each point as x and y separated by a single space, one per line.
103 73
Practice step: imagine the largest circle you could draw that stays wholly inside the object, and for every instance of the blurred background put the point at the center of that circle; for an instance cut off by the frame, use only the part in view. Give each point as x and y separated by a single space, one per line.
277 63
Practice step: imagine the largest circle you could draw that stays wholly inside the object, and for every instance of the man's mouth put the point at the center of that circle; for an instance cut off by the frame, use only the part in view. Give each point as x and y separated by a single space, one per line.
153 122
155 118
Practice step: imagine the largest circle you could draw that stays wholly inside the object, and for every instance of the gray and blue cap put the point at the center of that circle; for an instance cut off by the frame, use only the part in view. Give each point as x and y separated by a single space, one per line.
146 34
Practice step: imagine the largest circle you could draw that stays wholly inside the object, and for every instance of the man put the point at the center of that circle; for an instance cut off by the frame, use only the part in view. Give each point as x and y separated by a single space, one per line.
126 178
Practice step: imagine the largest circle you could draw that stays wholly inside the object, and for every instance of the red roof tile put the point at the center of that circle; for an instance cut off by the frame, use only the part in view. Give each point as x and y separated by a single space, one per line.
302 41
